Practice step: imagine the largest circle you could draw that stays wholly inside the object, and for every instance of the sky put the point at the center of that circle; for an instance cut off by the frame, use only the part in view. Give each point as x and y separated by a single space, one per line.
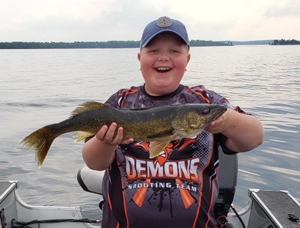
104 20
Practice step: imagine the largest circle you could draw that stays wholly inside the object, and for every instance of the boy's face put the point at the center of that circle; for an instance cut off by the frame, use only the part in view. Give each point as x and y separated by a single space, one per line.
163 62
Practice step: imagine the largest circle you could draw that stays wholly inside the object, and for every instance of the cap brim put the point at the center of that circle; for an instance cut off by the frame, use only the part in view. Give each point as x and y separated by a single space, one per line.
146 42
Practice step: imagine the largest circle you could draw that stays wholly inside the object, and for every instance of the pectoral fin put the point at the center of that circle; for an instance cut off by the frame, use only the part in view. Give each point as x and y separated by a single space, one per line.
80 135
157 147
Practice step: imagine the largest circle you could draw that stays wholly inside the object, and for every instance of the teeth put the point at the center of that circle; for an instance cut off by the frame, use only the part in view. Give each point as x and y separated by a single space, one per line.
163 68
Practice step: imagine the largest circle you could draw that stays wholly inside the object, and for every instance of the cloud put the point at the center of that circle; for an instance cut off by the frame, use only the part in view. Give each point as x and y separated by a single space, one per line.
286 8
75 20
94 20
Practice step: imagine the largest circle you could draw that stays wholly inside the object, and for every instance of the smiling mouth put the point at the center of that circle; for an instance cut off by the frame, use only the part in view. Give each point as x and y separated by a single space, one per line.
163 69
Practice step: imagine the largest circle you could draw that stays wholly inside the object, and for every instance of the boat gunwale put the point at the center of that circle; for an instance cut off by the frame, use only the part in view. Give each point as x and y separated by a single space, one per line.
13 186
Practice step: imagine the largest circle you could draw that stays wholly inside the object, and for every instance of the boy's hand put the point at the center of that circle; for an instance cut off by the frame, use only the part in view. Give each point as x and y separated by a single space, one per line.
108 136
218 125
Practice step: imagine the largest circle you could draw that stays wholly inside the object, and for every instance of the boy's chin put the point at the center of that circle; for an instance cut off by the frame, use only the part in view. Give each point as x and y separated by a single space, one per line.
161 90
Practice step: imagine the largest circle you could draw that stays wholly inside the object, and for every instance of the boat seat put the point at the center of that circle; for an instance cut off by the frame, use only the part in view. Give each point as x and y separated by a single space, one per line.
227 182
90 180
228 170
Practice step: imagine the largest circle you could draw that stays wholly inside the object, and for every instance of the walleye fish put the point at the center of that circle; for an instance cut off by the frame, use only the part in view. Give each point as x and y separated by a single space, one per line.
158 125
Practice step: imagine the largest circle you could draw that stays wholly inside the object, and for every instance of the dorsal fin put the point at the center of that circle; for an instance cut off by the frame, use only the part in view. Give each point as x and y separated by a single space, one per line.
87 106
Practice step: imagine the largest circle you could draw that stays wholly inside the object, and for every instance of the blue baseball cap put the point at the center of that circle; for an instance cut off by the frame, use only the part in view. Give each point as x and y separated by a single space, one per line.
163 24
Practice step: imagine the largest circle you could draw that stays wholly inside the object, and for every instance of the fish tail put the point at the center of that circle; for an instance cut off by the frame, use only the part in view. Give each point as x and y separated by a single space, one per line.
40 141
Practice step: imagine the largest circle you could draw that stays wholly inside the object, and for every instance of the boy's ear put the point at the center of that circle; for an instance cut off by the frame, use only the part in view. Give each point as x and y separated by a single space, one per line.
139 56
188 57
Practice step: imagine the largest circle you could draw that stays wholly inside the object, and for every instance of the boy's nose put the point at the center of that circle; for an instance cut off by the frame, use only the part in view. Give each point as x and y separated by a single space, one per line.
163 57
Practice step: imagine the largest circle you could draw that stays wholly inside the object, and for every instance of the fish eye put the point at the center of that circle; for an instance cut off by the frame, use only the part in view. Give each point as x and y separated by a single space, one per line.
205 111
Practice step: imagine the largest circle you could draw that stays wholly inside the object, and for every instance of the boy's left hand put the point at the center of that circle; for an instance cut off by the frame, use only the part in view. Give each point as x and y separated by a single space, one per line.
219 125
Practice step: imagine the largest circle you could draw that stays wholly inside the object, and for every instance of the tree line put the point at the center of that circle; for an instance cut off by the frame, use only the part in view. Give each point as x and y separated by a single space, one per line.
105 44
198 43
285 42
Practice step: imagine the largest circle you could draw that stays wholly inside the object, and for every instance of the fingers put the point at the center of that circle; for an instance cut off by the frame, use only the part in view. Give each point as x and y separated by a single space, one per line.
217 125
112 135
107 134
218 121
101 133
127 141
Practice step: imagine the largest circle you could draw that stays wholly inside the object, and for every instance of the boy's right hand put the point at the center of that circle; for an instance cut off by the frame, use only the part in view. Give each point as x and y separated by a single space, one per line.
112 135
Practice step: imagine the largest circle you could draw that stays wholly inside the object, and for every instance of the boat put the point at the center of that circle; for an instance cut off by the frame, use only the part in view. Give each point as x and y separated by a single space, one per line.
265 208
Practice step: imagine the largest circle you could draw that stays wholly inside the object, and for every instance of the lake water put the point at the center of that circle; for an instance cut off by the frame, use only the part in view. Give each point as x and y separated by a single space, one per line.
39 87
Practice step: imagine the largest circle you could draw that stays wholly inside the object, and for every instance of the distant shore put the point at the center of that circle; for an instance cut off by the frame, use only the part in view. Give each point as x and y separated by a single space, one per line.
106 44
132 44
286 42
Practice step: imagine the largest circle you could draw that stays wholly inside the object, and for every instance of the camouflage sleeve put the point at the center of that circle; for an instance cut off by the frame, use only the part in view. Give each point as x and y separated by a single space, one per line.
216 98
114 100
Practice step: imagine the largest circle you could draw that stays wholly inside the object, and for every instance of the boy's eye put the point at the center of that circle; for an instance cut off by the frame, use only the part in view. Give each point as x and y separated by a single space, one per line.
174 51
153 51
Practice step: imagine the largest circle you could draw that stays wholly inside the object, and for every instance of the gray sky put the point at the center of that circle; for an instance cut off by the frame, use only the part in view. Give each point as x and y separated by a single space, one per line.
103 20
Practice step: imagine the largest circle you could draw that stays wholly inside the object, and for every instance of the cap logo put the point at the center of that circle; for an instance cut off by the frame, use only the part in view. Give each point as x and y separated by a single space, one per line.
164 22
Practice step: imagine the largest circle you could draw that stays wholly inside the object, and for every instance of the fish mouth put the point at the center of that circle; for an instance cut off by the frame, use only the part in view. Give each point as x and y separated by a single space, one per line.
163 69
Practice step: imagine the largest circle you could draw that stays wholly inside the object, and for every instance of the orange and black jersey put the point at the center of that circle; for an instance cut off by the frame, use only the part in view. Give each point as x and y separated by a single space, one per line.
179 187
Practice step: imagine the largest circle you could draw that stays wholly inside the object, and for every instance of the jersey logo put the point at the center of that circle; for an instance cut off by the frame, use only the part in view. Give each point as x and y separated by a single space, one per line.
162 168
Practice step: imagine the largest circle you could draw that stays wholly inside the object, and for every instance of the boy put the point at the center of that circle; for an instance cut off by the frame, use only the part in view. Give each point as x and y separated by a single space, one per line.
179 187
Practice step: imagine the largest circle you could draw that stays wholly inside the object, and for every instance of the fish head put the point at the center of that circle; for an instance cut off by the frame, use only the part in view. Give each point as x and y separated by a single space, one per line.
208 112
194 118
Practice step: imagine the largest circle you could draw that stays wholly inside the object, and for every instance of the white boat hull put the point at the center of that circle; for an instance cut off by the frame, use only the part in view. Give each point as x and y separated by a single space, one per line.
15 210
